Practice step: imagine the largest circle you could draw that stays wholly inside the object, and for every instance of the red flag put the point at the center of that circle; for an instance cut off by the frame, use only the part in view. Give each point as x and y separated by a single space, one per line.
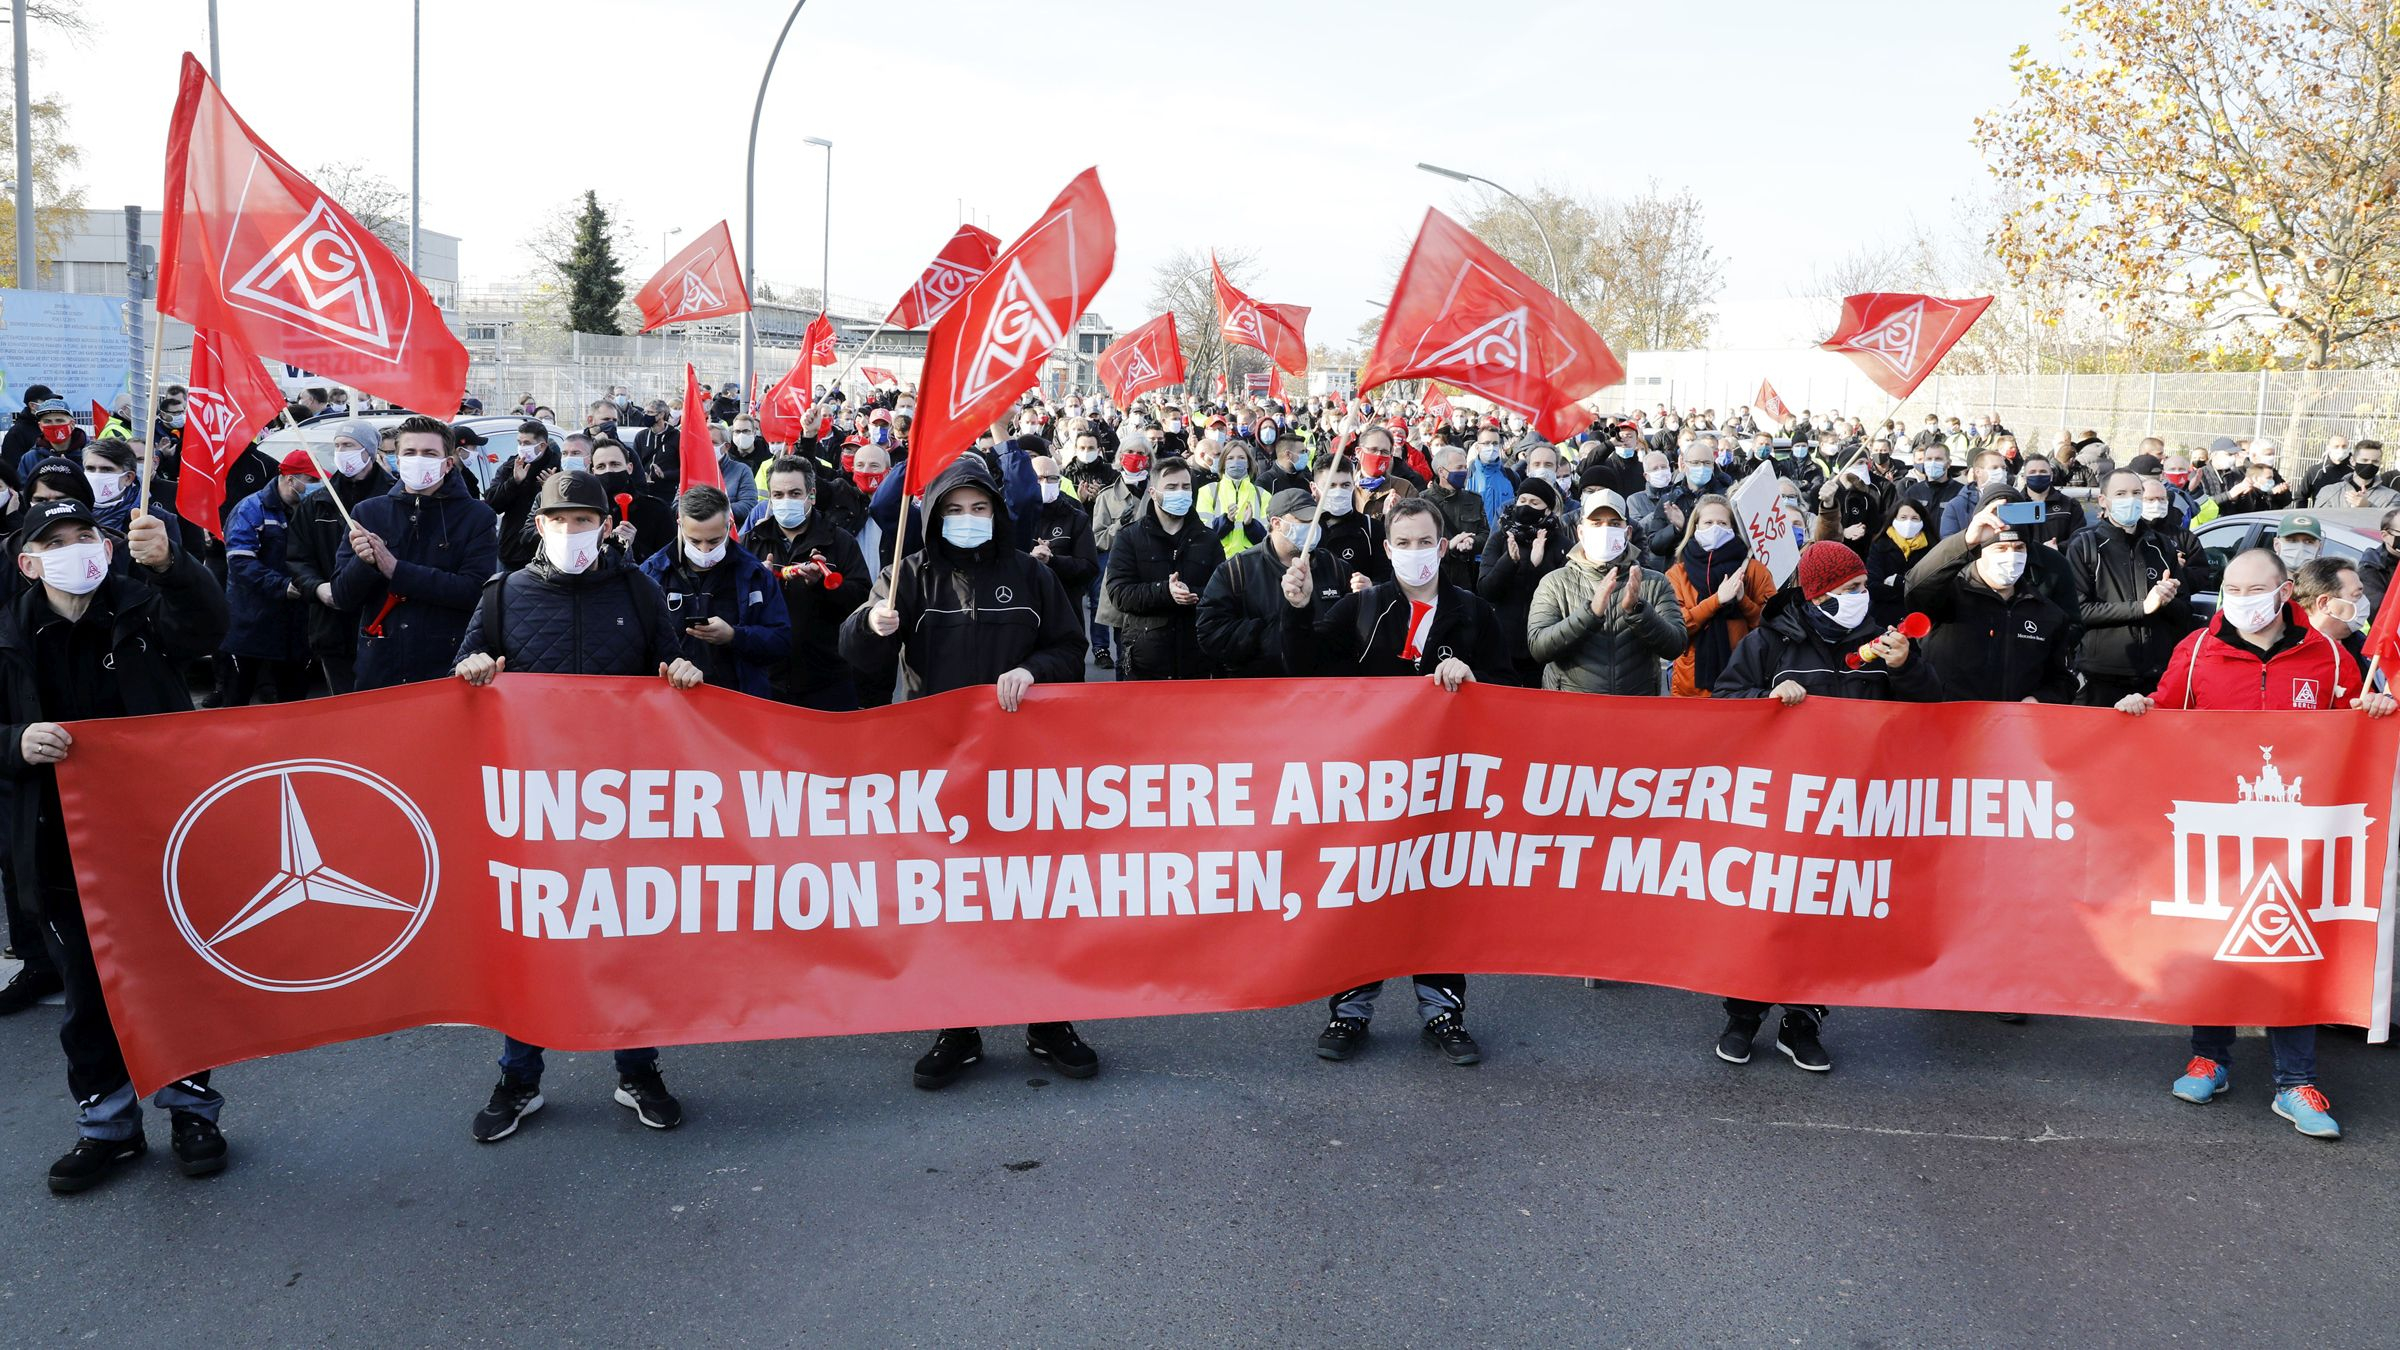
1147 358
783 413
1771 404
702 282
227 399
1435 403
1220 386
961 263
878 375
252 248
819 341
1466 315
1897 339
100 418
983 349
697 451
1273 329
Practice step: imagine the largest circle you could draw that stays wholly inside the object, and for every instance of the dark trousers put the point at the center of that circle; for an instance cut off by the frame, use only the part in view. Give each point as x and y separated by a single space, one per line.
341 672
2106 691
1436 995
522 1063
1103 639
1743 1010
839 696
289 680
2294 1048
106 1105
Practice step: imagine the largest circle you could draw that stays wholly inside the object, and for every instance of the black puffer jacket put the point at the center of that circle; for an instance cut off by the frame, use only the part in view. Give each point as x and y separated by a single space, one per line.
1241 612
444 542
125 659
2001 651
969 616
1160 638
1787 645
607 620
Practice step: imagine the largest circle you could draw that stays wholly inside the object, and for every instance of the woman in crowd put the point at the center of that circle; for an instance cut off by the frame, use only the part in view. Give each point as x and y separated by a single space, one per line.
1723 591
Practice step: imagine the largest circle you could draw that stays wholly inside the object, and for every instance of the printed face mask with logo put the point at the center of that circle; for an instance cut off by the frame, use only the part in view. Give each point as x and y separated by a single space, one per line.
2252 613
1602 543
58 434
77 569
1415 566
107 486
420 472
570 551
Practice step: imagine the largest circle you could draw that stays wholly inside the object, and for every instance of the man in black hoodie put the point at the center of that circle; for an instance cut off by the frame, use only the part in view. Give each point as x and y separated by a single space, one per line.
515 486
967 609
1414 624
81 641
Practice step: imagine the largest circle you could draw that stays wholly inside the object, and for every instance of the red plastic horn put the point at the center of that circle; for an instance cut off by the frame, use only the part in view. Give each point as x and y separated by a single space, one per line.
624 506
1913 627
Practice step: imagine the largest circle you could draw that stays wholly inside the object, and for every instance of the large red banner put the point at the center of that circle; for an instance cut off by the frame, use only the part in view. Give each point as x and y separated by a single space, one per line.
590 863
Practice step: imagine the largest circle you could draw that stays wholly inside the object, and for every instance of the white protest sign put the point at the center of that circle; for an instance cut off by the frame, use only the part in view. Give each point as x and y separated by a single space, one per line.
1774 539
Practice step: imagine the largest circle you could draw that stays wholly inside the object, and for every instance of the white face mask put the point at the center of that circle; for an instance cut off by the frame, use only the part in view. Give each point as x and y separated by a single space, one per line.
1994 477
107 487
1908 529
1049 493
1602 543
2297 555
1337 501
572 551
2154 510
1489 454
1302 537
2002 568
77 569
349 462
1415 566
531 449
743 440
1850 608
419 472
574 464
2362 613
1713 537
2251 613
1658 478
704 558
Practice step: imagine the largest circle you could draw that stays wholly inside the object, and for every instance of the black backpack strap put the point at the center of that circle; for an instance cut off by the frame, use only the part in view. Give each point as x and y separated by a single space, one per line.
492 625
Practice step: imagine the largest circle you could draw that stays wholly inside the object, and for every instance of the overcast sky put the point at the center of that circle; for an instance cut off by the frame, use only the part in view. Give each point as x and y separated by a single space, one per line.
1289 129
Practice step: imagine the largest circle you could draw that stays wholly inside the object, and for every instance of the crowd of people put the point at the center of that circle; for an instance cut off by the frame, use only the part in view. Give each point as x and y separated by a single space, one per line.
1170 540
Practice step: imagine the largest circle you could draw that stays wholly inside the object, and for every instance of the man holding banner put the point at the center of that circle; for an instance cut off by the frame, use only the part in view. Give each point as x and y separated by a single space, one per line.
83 642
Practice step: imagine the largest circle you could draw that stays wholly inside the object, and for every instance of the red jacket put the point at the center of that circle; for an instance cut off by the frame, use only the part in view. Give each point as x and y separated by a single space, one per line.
2212 669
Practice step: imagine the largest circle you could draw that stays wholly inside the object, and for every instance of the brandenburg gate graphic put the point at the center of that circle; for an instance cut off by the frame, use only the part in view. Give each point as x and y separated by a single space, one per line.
2269 825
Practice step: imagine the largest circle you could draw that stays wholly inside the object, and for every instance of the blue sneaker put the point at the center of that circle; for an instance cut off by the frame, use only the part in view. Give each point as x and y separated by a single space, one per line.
2203 1079
2308 1111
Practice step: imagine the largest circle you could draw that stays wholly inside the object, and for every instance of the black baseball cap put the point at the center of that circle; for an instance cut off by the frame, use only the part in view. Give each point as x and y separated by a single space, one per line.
56 511
1295 502
577 491
462 434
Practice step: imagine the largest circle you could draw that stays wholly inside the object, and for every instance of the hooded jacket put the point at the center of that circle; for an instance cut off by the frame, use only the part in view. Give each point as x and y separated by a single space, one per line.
1615 653
969 616
1988 648
267 621
1788 645
446 550
2214 668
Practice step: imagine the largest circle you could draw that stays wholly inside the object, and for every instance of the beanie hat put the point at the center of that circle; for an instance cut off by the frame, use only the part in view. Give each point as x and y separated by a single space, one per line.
299 463
1824 565
1535 487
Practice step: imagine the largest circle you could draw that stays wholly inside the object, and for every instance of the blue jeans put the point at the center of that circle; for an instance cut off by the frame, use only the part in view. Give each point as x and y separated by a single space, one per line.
522 1063
2295 1050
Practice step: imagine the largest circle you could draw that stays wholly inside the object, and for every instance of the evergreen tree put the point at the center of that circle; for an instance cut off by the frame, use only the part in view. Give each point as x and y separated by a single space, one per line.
595 280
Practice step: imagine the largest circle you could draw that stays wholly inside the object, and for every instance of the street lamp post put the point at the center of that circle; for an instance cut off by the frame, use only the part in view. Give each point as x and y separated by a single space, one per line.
663 237
750 201
825 272
1529 211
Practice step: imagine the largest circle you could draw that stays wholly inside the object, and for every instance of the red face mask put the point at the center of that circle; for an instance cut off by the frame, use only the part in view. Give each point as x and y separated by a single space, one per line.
1374 464
849 457
868 482
59 434
1134 463
2178 478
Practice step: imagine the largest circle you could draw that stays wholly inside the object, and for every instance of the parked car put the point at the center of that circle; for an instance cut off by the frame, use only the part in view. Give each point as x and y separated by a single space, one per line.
2351 534
499 432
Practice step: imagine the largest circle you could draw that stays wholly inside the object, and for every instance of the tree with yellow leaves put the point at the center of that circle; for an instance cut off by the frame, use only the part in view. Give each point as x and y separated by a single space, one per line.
2224 169
57 202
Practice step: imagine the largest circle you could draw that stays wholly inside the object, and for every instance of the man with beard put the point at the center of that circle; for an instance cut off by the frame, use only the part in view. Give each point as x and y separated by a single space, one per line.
824 577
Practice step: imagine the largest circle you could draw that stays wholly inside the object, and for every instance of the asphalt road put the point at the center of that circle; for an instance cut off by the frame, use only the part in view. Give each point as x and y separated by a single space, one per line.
1600 1179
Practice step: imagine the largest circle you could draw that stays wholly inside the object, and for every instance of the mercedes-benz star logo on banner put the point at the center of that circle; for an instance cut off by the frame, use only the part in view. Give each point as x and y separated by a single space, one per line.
255 895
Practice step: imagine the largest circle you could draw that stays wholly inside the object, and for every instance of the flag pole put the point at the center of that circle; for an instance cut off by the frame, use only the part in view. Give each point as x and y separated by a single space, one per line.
146 416
863 349
322 471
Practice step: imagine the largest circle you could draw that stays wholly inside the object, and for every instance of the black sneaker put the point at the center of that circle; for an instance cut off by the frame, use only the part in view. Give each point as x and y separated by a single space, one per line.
199 1145
1104 661
1448 1034
646 1093
510 1104
1057 1045
1733 1044
29 986
2014 1019
952 1052
1342 1038
86 1165
1797 1039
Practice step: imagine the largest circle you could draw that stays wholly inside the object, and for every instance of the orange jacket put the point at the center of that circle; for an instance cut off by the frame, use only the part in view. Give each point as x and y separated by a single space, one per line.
1699 610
